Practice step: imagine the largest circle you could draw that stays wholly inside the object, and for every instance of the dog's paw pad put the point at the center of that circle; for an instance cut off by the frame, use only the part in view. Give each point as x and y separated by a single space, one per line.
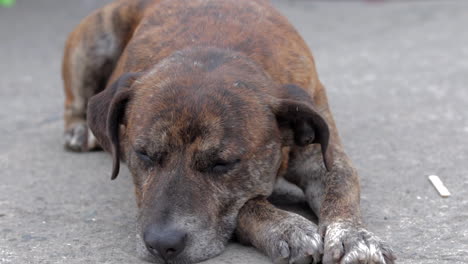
79 138
295 241
346 244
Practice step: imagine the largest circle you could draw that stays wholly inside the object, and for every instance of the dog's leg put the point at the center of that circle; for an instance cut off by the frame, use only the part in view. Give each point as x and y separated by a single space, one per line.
284 236
334 196
91 53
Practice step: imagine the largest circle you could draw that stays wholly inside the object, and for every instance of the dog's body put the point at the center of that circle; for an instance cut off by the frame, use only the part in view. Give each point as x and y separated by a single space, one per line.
209 102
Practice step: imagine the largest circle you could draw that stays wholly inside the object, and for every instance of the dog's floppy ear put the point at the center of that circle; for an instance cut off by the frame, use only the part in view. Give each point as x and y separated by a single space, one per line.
105 113
295 112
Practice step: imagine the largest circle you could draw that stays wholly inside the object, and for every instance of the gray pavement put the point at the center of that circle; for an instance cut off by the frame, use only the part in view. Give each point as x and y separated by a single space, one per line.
397 77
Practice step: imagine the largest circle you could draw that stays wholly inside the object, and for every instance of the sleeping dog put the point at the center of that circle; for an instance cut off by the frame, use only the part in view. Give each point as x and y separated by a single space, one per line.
209 103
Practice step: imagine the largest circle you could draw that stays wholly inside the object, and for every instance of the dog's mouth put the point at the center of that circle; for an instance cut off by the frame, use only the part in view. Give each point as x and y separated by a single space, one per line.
173 246
153 256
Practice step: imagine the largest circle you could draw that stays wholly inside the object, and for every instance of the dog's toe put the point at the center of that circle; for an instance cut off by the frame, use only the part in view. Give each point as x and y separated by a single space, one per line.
295 241
345 244
79 138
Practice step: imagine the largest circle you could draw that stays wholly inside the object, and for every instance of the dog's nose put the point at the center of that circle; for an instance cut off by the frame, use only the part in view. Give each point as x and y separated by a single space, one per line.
167 242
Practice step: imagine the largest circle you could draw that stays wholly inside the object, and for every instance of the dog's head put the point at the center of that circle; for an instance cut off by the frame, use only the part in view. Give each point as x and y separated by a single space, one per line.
202 132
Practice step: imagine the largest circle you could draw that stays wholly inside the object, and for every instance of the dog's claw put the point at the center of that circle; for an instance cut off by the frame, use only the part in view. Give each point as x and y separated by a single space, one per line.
346 244
284 249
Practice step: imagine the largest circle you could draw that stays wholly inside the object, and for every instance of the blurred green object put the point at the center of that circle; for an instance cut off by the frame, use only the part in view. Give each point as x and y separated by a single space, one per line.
7 3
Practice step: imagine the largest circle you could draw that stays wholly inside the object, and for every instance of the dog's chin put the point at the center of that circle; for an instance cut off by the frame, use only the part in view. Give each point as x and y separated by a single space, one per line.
194 252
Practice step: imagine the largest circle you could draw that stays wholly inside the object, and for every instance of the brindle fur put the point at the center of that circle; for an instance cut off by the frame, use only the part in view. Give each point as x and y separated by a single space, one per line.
190 83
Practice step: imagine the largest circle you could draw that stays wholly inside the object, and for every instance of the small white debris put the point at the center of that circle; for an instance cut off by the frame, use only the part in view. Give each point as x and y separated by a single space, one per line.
439 185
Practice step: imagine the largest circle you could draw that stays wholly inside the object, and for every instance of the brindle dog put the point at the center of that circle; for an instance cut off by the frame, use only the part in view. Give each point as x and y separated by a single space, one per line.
210 102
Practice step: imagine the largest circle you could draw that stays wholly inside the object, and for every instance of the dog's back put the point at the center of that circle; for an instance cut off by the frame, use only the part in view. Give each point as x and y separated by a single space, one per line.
252 27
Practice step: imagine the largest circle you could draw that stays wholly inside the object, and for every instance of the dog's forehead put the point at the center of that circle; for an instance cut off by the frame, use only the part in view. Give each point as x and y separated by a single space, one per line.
185 117
179 102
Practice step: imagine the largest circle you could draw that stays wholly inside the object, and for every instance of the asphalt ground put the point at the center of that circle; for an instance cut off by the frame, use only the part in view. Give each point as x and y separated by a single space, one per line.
397 78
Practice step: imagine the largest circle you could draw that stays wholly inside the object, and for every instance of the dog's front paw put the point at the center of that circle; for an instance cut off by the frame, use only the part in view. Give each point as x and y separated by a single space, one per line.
346 244
79 138
294 240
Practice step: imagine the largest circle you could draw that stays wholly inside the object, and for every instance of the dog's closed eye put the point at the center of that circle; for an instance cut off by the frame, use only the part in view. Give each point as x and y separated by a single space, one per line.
213 161
153 159
220 167
143 156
